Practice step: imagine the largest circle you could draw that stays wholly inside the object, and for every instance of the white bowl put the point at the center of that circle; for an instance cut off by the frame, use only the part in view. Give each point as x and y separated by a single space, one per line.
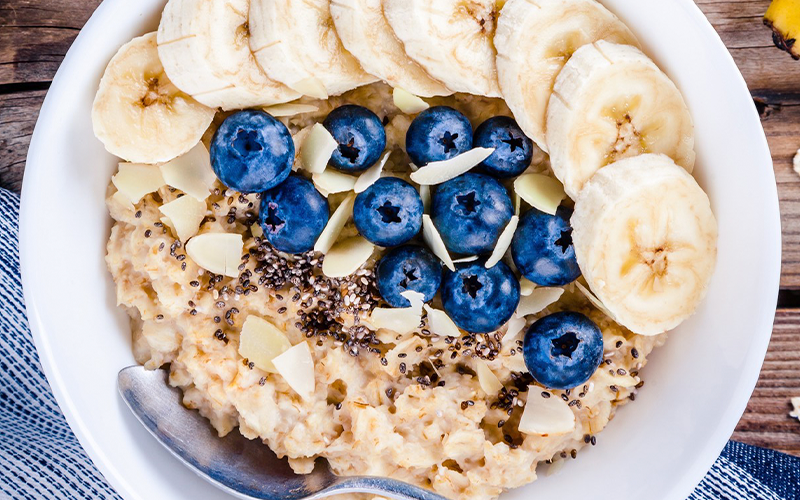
656 448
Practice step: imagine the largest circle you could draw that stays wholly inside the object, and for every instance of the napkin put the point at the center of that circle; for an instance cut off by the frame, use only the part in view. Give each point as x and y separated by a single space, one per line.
40 458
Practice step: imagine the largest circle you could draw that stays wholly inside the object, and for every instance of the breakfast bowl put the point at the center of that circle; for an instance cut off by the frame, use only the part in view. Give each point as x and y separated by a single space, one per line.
698 383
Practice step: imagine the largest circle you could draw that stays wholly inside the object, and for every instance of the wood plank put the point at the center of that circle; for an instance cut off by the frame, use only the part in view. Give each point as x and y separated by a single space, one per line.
766 422
35 36
18 113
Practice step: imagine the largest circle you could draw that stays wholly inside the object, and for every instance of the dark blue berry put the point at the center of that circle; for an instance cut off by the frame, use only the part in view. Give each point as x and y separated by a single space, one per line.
389 212
360 135
470 212
513 150
480 300
438 133
563 350
293 214
542 248
252 152
408 268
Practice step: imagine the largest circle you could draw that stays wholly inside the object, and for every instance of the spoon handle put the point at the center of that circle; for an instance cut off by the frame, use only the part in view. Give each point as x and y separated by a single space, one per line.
379 486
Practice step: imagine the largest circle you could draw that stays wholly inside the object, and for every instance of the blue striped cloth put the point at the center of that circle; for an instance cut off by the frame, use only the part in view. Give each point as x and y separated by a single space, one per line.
40 458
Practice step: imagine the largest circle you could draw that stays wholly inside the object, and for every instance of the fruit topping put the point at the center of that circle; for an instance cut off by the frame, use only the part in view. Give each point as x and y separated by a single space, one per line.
360 135
513 150
542 248
389 212
293 215
437 134
408 268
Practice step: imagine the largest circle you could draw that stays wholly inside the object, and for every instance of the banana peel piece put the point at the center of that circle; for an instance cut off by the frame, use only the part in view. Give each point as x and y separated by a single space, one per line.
783 16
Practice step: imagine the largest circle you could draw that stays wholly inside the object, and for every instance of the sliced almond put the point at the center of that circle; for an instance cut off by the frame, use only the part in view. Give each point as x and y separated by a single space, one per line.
335 225
540 191
260 342
122 200
434 240
503 242
317 148
220 253
408 103
466 260
438 172
134 180
296 366
256 230
517 204
403 320
538 300
290 109
526 286
440 323
185 213
546 416
331 182
311 87
514 329
372 174
345 257
515 363
488 381
594 300
191 173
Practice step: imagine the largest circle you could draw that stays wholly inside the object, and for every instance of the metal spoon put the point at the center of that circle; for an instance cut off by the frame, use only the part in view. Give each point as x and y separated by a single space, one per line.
244 468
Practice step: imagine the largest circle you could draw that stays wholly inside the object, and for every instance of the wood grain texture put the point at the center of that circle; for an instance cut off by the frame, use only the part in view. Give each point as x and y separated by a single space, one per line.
35 35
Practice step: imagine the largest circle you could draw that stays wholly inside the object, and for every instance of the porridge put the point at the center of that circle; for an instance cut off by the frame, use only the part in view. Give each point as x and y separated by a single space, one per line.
406 287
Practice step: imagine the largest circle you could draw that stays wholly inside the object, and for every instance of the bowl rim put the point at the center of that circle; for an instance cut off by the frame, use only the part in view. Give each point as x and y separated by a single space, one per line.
729 417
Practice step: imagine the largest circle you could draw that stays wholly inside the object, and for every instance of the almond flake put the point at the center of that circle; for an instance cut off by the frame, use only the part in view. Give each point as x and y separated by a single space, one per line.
335 225
403 320
538 300
438 172
515 363
594 300
488 381
503 242
345 257
123 200
220 253
260 342
540 191
440 323
407 102
296 366
517 204
311 87
526 286
317 148
256 230
191 172
290 109
434 240
185 215
546 416
369 177
331 182
515 327
134 180
298 139
466 260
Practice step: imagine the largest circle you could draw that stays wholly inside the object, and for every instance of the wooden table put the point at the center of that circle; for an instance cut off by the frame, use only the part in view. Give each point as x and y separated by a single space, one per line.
35 35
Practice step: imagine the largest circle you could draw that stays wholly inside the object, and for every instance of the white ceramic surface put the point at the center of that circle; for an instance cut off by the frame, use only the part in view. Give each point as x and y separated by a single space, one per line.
657 448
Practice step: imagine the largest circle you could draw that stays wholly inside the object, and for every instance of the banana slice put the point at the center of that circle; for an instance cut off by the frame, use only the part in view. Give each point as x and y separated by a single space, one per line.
611 102
295 42
138 114
451 40
534 40
204 47
646 242
367 35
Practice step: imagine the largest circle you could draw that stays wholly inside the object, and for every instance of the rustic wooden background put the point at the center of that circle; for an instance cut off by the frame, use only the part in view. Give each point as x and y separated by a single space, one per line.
35 35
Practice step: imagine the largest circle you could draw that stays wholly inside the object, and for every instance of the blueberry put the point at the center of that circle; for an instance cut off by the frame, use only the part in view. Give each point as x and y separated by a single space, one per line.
513 149
293 214
389 212
360 135
563 350
252 152
438 133
480 300
542 248
408 268
470 212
